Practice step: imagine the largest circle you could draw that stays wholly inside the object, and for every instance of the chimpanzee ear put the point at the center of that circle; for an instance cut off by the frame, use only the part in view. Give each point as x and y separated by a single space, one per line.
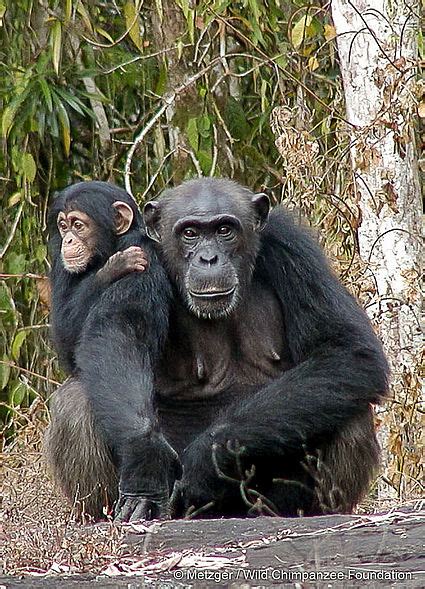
152 217
261 204
123 217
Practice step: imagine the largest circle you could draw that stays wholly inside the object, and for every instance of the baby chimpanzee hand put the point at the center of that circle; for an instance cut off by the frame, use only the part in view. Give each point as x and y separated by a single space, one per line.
132 259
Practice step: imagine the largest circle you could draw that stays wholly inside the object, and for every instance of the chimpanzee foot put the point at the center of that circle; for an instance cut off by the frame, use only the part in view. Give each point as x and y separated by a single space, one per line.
132 508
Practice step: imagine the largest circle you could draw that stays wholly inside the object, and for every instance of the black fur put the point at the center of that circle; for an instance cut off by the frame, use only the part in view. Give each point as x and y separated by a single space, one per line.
110 338
73 295
339 370
281 378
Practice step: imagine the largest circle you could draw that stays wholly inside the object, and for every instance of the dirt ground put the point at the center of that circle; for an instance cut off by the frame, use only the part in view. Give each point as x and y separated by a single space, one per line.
42 545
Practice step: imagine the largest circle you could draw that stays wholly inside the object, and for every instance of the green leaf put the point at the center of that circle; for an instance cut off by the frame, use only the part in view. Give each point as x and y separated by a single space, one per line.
105 34
56 43
46 92
73 101
9 113
204 125
64 123
184 5
8 313
68 10
2 11
41 253
299 30
236 120
254 6
192 133
7 120
162 81
282 61
205 161
132 23
15 198
16 263
84 15
4 373
28 167
220 8
18 395
17 343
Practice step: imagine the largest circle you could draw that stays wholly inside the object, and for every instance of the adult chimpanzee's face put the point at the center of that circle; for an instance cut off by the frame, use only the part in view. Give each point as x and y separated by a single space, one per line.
208 231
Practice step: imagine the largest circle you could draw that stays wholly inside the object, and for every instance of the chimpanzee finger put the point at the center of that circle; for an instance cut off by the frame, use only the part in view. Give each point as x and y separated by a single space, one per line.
136 257
133 248
176 500
141 511
140 267
124 509
161 509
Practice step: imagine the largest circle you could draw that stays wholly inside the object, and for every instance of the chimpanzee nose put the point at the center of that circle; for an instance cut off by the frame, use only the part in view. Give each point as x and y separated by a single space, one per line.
209 259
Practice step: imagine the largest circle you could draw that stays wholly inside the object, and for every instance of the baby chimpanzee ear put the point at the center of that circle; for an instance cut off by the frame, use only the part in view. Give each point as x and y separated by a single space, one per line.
261 204
123 217
152 217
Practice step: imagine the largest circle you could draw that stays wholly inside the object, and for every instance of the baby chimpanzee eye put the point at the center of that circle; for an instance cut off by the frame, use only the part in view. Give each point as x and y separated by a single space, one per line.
78 225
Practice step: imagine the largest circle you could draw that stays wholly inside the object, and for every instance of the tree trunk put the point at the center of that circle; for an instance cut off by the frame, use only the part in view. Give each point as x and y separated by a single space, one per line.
377 45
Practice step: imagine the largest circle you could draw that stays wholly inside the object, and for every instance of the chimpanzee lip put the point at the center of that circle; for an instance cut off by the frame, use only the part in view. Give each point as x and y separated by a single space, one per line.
71 258
212 294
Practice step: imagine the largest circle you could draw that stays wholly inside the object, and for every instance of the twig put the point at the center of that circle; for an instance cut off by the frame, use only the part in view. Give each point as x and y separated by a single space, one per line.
168 99
13 231
143 57
30 372
26 275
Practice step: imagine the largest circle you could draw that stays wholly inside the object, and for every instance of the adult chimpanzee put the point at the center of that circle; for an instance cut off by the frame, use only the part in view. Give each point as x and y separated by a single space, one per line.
269 370
97 245
89 223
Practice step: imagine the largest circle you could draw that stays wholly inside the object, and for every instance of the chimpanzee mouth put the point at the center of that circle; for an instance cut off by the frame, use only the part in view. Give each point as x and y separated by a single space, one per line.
212 294
74 264
212 303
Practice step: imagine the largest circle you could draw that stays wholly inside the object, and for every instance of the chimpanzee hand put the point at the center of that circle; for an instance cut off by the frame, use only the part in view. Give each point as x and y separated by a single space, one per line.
132 259
149 470
206 483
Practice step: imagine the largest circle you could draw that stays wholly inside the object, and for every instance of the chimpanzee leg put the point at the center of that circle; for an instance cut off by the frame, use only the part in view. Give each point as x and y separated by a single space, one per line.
331 476
77 456
347 466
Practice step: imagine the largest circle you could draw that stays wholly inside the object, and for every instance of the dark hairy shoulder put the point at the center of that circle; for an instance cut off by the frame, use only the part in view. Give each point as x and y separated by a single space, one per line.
317 308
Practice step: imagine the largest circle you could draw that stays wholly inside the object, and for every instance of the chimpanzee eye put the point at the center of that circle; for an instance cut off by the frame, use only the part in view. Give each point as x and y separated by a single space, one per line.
62 226
189 233
225 231
78 225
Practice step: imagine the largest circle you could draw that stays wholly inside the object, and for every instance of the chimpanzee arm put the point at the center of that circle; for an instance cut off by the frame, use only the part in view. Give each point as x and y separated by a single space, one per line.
75 294
72 298
339 367
119 347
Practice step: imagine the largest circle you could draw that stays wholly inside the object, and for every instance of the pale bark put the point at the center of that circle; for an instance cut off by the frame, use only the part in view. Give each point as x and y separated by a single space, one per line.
97 106
377 45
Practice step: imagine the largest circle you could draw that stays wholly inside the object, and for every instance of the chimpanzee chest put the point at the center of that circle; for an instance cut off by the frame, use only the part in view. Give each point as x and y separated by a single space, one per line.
229 357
